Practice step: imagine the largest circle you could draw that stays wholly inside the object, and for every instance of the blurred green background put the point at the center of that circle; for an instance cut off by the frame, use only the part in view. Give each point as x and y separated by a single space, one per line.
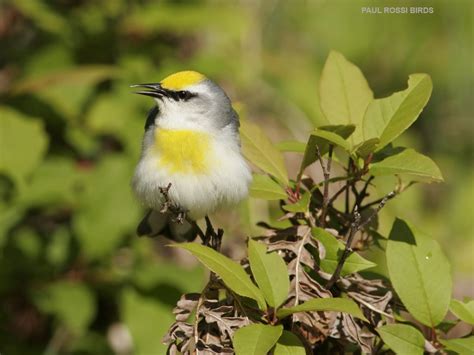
73 277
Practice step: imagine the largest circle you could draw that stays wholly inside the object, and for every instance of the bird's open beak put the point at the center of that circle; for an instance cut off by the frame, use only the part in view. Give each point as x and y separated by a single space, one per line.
154 90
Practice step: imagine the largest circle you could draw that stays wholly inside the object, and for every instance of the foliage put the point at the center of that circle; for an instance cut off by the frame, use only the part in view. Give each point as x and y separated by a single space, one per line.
309 278
74 279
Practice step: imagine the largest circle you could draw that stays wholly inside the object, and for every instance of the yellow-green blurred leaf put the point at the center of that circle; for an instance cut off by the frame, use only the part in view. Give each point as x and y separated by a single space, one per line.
265 188
389 117
257 148
344 93
23 143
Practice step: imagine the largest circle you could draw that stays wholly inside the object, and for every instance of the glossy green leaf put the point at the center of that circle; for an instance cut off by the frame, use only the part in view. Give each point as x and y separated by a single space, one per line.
402 339
73 304
420 273
147 320
270 273
344 305
334 249
463 310
289 344
322 137
291 146
264 187
300 206
344 93
257 148
389 117
410 163
461 346
18 159
232 273
256 339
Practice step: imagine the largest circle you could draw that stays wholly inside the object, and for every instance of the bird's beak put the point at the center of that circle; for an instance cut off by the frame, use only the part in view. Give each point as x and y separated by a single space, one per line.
154 90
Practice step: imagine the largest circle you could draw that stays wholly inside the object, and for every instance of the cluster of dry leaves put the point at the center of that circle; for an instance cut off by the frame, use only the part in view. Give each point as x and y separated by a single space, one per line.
208 320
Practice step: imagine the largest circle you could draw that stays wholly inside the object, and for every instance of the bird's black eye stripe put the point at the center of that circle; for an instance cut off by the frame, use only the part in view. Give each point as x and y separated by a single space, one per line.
185 95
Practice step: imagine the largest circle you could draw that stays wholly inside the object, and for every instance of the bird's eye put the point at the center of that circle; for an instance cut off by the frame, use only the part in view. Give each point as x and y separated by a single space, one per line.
184 95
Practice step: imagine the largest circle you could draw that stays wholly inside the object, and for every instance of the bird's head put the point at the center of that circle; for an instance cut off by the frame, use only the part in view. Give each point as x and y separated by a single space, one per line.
188 98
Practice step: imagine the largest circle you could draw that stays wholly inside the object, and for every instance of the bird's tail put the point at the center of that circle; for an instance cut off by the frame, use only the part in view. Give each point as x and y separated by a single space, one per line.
156 223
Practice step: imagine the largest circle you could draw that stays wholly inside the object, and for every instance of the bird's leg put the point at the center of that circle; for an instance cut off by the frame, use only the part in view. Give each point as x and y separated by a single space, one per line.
214 238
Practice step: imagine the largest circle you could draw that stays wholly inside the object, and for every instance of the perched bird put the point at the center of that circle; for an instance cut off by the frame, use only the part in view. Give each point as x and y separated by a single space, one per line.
191 145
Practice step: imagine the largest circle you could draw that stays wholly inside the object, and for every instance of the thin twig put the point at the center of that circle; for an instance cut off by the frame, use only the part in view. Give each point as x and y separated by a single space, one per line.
327 173
298 256
355 227
363 193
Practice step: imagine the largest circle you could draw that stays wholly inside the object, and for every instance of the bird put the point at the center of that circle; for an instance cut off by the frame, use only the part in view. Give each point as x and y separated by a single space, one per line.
191 155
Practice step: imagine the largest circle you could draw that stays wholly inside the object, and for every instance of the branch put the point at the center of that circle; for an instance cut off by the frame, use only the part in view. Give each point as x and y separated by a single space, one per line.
355 227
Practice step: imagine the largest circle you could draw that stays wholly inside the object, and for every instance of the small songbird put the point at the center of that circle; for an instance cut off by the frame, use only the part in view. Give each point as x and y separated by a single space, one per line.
191 145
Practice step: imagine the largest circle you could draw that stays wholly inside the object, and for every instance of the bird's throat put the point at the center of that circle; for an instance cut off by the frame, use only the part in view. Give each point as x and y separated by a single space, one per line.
183 151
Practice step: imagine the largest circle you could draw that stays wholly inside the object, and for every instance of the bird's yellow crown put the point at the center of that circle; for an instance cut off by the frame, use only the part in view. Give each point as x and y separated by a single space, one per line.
182 79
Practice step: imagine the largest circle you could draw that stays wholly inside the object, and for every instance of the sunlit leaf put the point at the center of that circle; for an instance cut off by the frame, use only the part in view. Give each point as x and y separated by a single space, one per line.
301 205
289 344
256 339
264 187
334 250
364 148
389 117
463 310
232 273
344 305
344 93
402 339
420 273
291 146
324 136
257 148
270 273
410 163
461 346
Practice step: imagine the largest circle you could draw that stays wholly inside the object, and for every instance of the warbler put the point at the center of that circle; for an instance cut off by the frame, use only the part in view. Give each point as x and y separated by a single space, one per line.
191 144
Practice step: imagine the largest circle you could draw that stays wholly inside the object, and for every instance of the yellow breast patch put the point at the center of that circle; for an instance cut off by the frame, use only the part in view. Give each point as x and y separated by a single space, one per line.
182 79
183 151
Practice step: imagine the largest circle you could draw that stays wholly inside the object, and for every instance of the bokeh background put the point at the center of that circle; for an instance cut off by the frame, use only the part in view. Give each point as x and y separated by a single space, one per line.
74 279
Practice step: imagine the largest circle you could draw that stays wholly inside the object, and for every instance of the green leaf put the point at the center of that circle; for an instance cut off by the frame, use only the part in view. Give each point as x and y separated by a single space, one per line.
402 339
18 159
345 305
464 311
389 117
256 339
264 187
364 148
420 273
106 213
300 206
322 137
147 320
71 303
270 273
291 146
257 148
344 93
232 273
408 162
334 249
289 344
461 346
